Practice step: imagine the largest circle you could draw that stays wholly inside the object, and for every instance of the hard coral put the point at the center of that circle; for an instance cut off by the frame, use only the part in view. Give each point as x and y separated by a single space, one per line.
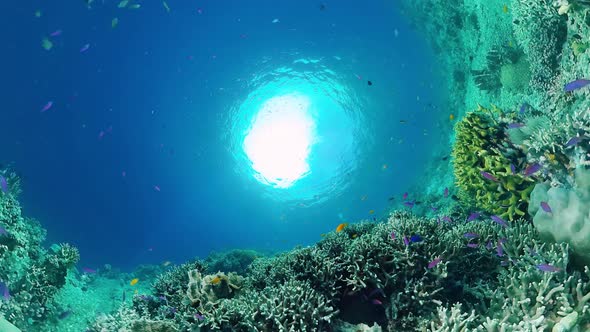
481 146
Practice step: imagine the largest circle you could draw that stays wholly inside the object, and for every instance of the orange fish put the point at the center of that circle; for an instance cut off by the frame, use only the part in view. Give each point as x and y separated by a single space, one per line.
216 280
341 227
134 281
451 117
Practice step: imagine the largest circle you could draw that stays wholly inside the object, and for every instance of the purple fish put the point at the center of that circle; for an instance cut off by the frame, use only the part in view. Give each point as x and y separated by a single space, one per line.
84 48
515 125
472 245
471 235
55 33
446 193
88 270
473 216
3 184
433 208
47 106
488 176
405 196
532 169
409 204
199 316
513 169
376 302
392 235
434 262
545 207
573 141
522 109
548 268
575 85
4 291
499 249
406 241
499 221
447 219
489 245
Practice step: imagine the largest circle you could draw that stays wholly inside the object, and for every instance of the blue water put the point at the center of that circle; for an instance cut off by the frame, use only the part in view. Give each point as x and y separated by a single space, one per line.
165 100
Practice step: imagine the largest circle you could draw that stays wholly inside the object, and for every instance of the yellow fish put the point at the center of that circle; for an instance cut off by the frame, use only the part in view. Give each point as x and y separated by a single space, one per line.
354 236
216 280
505 9
341 227
371 211
323 234
134 281
451 117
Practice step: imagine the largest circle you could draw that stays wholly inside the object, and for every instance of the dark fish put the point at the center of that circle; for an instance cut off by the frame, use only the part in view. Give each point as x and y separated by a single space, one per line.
488 176
377 291
499 221
573 141
548 268
124 296
532 169
513 169
369 83
445 158
454 197
575 85
391 198
545 207
3 231
515 125
322 7
65 314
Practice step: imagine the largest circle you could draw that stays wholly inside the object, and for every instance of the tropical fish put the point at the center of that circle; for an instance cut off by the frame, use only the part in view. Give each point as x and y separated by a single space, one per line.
409 204
47 106
405 196
548 268
575 85
369 83
276 20
447 219
488 176
354 236
199 316
499 249
376 302
166 6
4 291
46 44
55 33
88 270
124 296
433 208
446 193
38 13
65 314
134 281
166 263
471 235
473 216
515 125
157 188
341 227
135 6
416 238
377 291
532 169
4 232
472 245
499 220
513 169
114 22
451 117
434 262
573 141
392 235
371 211
3 184
545 207
522 109
216 280
406 241
505 9
123 4
84 48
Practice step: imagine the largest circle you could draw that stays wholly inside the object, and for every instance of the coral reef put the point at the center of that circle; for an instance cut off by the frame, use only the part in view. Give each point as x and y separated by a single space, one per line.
481 146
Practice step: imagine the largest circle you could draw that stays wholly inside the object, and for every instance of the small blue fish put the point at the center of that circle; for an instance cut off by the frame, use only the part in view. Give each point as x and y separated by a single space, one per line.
499 249
471 235
499 221
409 204
416 238
532 169
575 85
3 231
573 141
473 216
472 245
433 208
4 291
546 207
488 176
522 109
515 125
548 268
199 316
406 241
3 184
513 169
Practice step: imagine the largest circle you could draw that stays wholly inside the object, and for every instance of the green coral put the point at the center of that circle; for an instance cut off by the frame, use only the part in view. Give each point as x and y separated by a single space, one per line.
481 146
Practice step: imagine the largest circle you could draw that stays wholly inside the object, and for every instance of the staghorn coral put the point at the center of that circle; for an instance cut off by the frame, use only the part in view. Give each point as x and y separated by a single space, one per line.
481 146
